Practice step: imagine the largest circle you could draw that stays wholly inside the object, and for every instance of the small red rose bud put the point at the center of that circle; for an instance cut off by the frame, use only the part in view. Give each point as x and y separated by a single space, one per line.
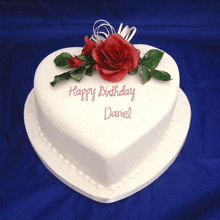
74 62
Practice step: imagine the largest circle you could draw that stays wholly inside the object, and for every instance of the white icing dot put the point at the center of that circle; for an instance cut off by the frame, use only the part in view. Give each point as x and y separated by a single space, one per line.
170 133
44 139
150 157
49 144
138 170
41 134
54 150
112 187
125 180
159 148
131 175
99 186
120 184
166 138
155 154
163 142
86 177
171 126
80 172
38 128
174 118
60 156
66 161
92 181
72 166
171 130
144 164
154 167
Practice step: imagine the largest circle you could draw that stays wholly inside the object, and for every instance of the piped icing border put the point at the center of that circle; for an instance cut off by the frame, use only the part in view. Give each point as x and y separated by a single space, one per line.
154 165
124 180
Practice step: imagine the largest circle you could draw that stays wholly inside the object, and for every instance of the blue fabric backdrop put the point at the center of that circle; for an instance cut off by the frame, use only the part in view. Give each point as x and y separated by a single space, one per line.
188 30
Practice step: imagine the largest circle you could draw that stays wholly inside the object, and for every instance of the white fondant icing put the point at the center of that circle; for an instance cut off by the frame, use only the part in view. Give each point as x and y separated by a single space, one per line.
105 150
154 165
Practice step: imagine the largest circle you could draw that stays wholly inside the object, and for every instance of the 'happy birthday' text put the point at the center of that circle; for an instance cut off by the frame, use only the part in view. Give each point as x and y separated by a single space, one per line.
103 91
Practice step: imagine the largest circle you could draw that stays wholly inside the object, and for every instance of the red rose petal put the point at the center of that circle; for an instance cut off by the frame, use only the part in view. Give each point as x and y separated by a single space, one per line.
115 57
89 46
114 77
74 62
97 66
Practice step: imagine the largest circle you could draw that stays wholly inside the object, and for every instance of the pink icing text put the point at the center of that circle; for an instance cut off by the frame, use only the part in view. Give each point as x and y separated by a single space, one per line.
119 113
114 91
84 93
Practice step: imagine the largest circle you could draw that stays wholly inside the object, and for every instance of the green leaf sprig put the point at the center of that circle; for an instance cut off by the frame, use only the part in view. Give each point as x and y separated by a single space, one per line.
86 68
145 68
147 65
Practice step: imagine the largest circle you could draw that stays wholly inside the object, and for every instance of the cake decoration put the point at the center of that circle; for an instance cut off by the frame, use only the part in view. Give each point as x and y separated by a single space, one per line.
103 91
107 140
112 55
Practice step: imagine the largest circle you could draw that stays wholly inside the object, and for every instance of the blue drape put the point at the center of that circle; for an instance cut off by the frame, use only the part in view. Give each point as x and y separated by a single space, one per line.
188 30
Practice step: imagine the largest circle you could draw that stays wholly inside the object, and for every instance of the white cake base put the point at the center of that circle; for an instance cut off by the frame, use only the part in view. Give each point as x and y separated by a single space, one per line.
154 165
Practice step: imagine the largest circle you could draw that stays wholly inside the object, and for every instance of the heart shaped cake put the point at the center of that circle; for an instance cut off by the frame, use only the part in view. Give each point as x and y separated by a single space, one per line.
107 124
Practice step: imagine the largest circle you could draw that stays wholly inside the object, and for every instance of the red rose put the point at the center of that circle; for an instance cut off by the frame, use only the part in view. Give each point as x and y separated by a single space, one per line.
115 57
74 62
89 46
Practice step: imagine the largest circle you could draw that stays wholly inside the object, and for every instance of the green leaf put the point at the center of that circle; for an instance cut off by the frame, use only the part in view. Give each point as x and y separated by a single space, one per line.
78 73
152 58
57 78
88 61
134 71
161 75
54 82
61 60
81 57
89 71
144 74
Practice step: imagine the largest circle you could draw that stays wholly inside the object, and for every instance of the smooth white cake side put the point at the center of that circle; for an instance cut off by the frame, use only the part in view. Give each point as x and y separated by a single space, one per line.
107 150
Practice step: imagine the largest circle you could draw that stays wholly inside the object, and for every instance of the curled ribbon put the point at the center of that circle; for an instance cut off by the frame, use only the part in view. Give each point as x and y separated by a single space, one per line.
100 35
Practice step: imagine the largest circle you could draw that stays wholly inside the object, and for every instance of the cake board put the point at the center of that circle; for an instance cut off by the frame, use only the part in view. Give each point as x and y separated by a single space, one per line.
149 170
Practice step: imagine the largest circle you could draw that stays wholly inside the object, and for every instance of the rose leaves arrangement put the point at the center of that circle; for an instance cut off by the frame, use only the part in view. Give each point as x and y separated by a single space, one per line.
113 58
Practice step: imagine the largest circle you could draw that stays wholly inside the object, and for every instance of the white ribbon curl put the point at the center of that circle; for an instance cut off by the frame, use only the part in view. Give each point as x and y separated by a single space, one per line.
100 35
